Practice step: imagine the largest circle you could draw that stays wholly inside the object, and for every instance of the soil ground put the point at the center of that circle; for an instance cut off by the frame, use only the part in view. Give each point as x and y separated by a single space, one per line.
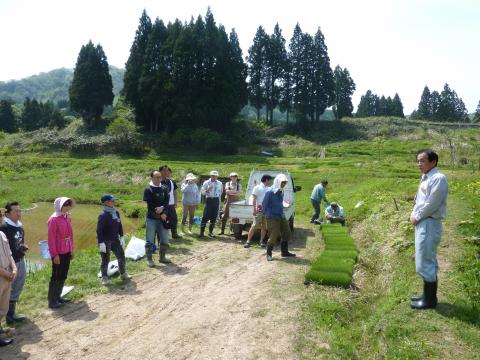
220 301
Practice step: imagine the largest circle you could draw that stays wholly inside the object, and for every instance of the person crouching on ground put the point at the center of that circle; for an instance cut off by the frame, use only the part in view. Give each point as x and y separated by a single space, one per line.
190 200
12 227
60 245
110 237
334 213
277 224
156 196
8 272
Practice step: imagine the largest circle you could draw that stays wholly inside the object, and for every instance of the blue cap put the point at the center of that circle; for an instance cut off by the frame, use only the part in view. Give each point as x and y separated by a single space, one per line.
107 197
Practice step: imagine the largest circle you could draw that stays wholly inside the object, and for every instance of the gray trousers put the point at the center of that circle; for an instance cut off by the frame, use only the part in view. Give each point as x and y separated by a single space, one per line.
19 282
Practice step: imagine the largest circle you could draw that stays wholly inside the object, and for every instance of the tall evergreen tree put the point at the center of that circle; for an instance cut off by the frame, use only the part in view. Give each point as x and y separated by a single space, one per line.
451 107
256 70
276 59
134 68
425 105
382 108
435 99
7 117
344 89
91 88
476 116
153 79
368 105
31 118
396 106
286 89
323 86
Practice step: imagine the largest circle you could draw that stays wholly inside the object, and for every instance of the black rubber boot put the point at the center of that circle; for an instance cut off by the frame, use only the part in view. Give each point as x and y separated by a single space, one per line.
175 233
5 342
269 252
202 229
163 251
421 297
285 252
210 230
11 315
148 253
53 295
429 301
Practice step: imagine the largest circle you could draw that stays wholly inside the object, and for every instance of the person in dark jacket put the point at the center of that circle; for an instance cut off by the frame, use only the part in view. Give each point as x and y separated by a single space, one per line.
110 237
172 199
12 227
156 195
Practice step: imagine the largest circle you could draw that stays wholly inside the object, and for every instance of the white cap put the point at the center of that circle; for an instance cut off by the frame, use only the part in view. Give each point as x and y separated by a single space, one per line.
213 173
190 176
233 174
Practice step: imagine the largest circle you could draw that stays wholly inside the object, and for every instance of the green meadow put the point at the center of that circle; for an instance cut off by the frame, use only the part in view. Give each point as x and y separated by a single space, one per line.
372 174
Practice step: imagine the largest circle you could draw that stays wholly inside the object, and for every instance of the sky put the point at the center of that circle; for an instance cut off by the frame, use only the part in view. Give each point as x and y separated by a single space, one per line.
388 46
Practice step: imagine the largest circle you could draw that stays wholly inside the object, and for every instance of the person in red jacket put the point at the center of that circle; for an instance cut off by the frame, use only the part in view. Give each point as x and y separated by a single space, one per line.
60 244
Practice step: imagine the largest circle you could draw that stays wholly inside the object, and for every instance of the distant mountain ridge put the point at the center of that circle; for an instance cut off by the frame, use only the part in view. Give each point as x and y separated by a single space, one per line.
52 85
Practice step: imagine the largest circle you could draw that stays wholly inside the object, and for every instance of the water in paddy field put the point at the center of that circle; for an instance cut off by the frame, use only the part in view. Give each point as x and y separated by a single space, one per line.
84 222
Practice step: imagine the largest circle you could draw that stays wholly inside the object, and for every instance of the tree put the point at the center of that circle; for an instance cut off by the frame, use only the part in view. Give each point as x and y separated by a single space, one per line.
286 89
7 117
425 105
31 118
396 107
91 88
134 68
451 107
256 70
434 105
275 64
368 105
323 86
476 116
344 89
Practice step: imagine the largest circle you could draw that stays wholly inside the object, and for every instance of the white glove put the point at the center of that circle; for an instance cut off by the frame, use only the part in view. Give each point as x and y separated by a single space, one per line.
102 247
122 240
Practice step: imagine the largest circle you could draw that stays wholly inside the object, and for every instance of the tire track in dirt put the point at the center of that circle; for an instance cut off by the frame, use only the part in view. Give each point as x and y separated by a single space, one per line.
220 302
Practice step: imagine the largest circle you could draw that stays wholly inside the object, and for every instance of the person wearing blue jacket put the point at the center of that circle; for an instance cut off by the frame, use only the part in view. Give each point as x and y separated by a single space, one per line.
110 237
277 224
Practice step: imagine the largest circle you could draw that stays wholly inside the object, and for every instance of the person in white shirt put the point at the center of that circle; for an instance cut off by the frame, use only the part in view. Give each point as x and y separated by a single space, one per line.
233 190
428 212
212 189
259 222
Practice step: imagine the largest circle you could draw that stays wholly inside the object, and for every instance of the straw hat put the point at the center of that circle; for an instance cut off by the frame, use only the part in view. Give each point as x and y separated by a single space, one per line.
232 174
213 173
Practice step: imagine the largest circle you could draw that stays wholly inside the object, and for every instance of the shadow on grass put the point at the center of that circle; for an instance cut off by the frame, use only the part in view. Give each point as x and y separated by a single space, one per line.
27 332
300 236
463 313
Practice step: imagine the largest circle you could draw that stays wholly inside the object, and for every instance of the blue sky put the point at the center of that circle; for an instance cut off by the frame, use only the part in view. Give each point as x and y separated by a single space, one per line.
388 46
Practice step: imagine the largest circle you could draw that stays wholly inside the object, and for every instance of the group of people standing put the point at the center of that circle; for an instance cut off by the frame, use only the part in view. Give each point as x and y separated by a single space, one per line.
161 199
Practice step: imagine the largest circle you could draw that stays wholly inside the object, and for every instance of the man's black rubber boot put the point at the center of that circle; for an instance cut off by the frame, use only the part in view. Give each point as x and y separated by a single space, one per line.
429 301
5 342
11 315
269 252
285 252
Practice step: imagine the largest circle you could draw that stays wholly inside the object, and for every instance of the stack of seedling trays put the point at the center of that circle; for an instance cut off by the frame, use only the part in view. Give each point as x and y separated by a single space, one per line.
335 264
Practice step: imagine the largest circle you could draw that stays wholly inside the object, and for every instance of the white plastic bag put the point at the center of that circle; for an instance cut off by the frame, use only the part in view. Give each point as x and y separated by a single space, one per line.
135 249
112 268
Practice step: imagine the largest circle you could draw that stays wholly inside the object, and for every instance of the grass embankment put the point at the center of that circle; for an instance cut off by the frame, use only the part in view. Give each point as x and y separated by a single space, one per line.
372 320
335 265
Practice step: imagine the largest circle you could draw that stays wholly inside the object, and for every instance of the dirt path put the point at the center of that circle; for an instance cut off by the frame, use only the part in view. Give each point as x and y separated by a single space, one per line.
219 302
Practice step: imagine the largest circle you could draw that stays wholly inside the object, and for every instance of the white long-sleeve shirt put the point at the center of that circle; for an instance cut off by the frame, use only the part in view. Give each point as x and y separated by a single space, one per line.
216 188
431 199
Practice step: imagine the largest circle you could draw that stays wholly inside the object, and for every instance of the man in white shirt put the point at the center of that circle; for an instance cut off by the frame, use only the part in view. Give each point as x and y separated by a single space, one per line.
334 213
233 190
212 189
259 222
428 212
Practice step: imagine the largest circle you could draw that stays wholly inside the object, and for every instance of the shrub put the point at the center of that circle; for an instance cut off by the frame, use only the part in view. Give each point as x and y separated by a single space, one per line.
121 127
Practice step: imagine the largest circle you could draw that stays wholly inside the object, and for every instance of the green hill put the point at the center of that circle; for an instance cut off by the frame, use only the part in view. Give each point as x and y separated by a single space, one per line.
52 85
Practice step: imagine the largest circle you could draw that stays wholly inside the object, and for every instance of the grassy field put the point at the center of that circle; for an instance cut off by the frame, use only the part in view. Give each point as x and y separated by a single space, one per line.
371 319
